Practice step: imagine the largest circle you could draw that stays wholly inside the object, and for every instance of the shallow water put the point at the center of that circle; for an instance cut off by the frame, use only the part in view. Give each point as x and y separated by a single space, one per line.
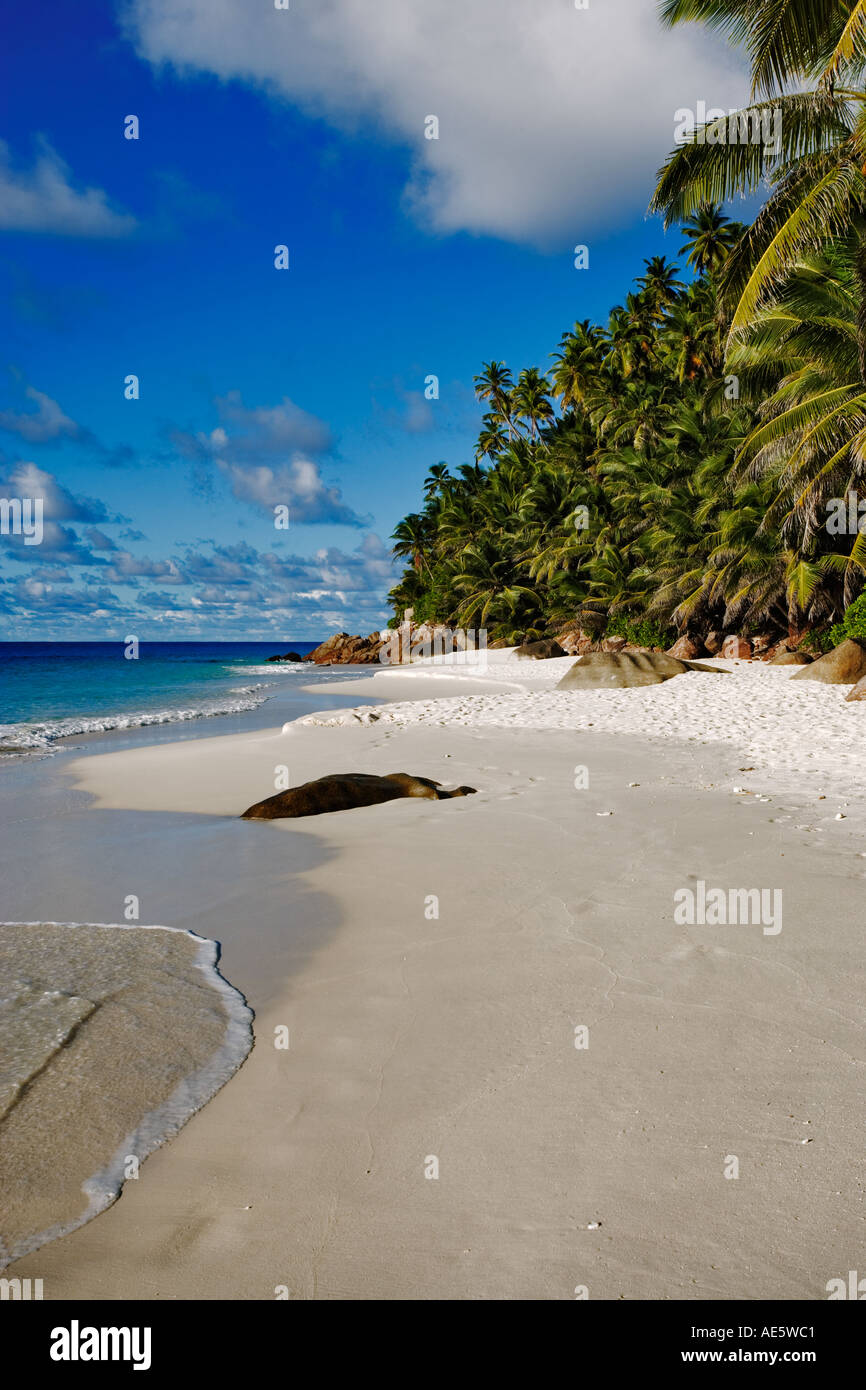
50 691
112 1037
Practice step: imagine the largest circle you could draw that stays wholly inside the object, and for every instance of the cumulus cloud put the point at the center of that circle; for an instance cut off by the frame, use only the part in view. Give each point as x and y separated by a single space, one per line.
126 568
256 432
551 119
298 485
46 422
60 544
264 454
270 429
233 589
42 199
203 587
26 479
98 539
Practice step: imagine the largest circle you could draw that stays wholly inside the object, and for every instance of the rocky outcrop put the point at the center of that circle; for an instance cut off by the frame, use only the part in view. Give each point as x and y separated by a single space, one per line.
623 670
736 648
785 658
685 649
540 651
289 656
344 791
397 646
341 650
574 642
844 665
859 691
613 644
713 643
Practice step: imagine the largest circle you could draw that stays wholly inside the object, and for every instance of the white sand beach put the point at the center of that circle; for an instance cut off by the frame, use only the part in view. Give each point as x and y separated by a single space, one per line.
511 1072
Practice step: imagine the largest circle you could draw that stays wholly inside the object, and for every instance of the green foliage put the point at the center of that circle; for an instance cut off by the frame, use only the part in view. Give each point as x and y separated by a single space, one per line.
643 633
853 624
854 621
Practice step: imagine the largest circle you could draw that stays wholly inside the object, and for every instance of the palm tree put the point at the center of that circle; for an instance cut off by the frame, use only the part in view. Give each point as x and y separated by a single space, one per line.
412 538
495 385
659 285
690 333
785 39
709 238
436 481
492 437
531 399
810 437
491 592
814 167
578 363
798 278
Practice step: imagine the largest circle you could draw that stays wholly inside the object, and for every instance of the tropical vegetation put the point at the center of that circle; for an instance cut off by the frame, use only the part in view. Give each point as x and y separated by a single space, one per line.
672 470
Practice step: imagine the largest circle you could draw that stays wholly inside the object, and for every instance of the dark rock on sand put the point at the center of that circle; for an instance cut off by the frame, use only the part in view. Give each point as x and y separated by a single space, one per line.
622 670
844 665
540 651
343 791
786 658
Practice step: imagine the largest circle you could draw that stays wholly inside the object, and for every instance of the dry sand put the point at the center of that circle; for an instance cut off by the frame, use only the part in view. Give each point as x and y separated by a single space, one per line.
438 1022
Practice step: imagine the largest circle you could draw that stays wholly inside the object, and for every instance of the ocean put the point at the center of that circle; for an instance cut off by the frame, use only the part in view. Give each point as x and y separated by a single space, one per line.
52 690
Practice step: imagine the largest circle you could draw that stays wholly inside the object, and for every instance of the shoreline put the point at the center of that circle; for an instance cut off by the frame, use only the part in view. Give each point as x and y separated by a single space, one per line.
70 1012
453 1036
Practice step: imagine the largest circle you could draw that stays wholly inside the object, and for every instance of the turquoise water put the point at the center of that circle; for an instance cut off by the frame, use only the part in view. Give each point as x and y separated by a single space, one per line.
51 690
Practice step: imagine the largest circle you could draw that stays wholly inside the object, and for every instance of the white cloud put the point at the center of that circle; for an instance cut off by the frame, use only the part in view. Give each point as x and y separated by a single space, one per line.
285 436
42 199
274 429
46 422
26 479
297 484
552 120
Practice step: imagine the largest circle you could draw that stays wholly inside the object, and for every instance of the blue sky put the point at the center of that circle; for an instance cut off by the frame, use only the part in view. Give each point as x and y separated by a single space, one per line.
408 257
